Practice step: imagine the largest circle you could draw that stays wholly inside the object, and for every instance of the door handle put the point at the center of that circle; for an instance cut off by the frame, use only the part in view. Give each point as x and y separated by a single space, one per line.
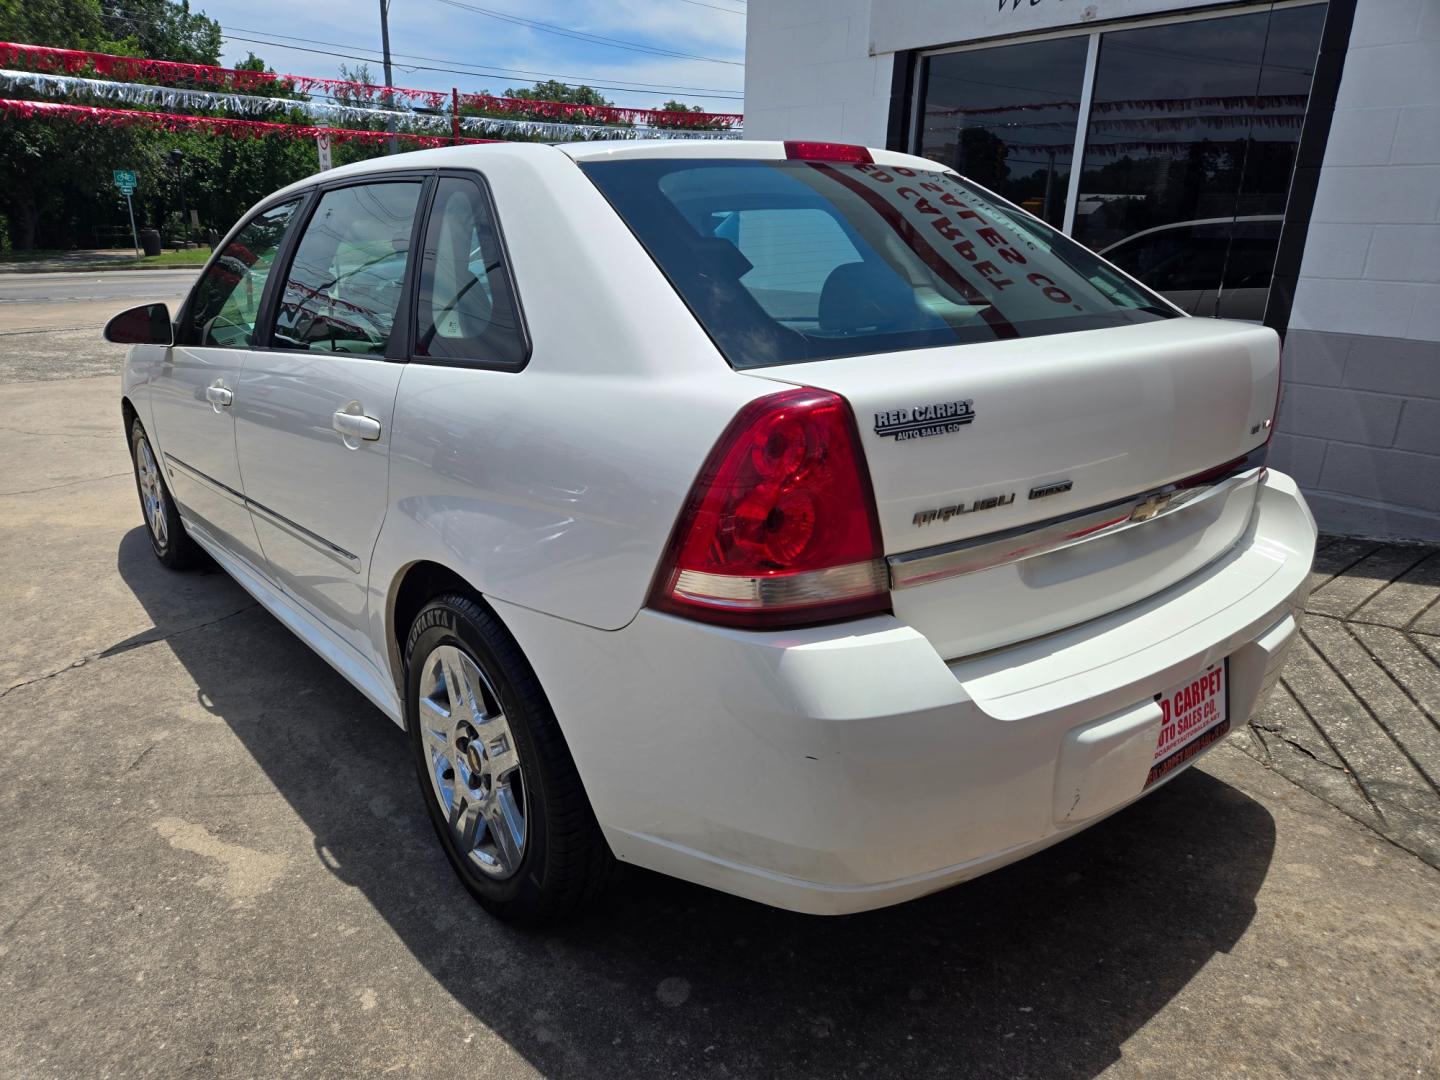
218 395
356 425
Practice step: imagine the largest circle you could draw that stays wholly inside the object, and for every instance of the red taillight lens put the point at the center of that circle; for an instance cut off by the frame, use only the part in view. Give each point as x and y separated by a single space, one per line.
780 529
826 151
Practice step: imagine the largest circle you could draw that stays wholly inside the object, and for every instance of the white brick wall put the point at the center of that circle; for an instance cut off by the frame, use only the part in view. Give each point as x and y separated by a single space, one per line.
1376 222
1359 422
809 73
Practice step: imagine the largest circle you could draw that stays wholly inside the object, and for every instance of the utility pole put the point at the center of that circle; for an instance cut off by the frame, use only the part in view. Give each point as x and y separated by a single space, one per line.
389 79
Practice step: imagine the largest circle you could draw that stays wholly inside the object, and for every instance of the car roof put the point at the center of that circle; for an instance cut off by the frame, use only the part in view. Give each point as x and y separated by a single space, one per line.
475 155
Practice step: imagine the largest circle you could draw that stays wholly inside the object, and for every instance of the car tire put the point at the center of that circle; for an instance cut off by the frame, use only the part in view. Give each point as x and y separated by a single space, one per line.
487 745
171 543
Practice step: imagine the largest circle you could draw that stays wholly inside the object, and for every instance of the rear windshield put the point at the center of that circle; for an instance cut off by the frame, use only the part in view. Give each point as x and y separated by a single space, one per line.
788 261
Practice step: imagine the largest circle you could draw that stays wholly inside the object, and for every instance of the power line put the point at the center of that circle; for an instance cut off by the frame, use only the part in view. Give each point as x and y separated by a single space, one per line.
578 35
473 70
490 69
717 7
492 74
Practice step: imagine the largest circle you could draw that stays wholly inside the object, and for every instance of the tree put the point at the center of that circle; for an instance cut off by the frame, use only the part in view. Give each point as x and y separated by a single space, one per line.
673 106
362 99
55 178
163 30
67 24
38 163
279 88
553 90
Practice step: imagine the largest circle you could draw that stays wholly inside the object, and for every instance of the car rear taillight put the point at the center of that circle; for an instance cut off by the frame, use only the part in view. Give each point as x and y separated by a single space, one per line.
826 151
780 529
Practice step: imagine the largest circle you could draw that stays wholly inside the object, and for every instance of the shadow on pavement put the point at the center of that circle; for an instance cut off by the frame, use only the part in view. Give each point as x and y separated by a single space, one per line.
1042 969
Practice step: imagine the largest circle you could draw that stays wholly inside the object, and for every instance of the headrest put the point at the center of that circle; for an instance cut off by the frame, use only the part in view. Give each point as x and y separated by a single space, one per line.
865 297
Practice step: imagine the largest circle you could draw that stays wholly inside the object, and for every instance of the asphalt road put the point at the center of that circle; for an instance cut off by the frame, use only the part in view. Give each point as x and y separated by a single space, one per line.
119 286
214 862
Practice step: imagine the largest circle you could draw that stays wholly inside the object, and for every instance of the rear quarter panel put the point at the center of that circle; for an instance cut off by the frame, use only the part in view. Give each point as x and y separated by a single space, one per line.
555 487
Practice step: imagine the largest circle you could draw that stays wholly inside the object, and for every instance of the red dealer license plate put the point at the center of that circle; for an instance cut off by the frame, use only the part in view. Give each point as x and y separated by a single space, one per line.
1193 717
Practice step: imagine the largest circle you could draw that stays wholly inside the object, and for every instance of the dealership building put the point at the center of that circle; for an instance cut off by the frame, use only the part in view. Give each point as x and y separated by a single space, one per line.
1275 162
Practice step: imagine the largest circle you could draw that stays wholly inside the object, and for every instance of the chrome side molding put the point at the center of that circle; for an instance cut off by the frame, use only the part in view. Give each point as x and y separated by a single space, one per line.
299 532
1031 541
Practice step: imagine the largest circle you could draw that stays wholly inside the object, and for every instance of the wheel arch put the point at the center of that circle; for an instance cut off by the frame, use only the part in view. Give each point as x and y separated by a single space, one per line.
414 586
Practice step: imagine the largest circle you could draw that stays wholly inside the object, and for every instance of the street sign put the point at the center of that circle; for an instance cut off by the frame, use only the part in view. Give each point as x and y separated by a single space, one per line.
322 148
125 181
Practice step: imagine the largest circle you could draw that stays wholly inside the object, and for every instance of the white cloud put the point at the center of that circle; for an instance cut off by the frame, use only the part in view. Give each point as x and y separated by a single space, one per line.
428 28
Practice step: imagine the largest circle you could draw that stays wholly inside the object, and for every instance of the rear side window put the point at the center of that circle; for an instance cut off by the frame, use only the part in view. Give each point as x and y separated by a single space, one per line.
466 309
788 261
227 299
346 281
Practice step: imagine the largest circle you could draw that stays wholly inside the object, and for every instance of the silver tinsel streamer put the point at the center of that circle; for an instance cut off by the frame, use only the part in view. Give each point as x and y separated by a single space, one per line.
171 98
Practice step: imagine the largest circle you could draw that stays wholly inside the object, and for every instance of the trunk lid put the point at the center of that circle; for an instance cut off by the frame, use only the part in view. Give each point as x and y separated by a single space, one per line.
970 441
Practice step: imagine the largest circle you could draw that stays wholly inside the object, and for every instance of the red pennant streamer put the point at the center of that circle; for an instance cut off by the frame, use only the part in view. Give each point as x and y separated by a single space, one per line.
212 125
74 61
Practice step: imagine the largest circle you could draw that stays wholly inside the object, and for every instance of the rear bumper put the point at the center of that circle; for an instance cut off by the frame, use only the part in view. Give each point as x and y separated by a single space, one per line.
848 767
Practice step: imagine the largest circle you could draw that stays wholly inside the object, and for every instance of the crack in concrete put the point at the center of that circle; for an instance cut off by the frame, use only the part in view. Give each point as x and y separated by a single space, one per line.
118 436
26 910
1354 777
1354 691
123 646
1261 731
65 483
140 757
44 329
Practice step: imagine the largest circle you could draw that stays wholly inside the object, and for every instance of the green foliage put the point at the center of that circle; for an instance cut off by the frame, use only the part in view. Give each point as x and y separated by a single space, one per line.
362 99
56 188
282 88
552 90
674 106
65 24
160 29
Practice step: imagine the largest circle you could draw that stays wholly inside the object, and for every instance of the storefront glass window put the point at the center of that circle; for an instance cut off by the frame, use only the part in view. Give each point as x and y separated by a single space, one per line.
1006 118
1190 142
1189 150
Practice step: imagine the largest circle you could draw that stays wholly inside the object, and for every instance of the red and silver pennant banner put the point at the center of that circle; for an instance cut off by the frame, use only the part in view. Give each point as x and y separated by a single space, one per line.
169 97
129 68
211 125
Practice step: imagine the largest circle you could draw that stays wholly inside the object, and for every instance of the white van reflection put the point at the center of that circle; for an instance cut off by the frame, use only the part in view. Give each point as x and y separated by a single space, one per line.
1212 266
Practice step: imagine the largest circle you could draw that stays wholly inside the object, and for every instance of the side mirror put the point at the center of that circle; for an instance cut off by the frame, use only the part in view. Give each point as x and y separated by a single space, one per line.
148 324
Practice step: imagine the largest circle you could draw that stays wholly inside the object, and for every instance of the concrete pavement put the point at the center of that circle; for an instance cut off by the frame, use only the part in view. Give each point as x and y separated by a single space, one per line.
50 323
1356 718
216 863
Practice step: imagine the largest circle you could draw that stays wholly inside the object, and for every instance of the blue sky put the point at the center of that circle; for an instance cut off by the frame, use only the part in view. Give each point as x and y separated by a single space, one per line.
451 37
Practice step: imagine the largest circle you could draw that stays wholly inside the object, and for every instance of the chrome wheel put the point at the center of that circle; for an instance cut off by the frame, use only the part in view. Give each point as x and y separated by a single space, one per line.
152 492
473 762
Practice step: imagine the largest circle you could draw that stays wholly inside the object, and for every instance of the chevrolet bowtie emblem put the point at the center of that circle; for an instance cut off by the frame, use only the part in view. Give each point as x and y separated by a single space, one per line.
1150 507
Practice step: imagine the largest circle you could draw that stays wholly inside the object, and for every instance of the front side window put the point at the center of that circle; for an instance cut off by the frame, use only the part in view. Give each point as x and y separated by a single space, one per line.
345 284
227 299
466 308
788 261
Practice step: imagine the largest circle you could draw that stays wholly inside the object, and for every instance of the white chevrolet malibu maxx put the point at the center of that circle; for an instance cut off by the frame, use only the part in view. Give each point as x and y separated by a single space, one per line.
797 519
